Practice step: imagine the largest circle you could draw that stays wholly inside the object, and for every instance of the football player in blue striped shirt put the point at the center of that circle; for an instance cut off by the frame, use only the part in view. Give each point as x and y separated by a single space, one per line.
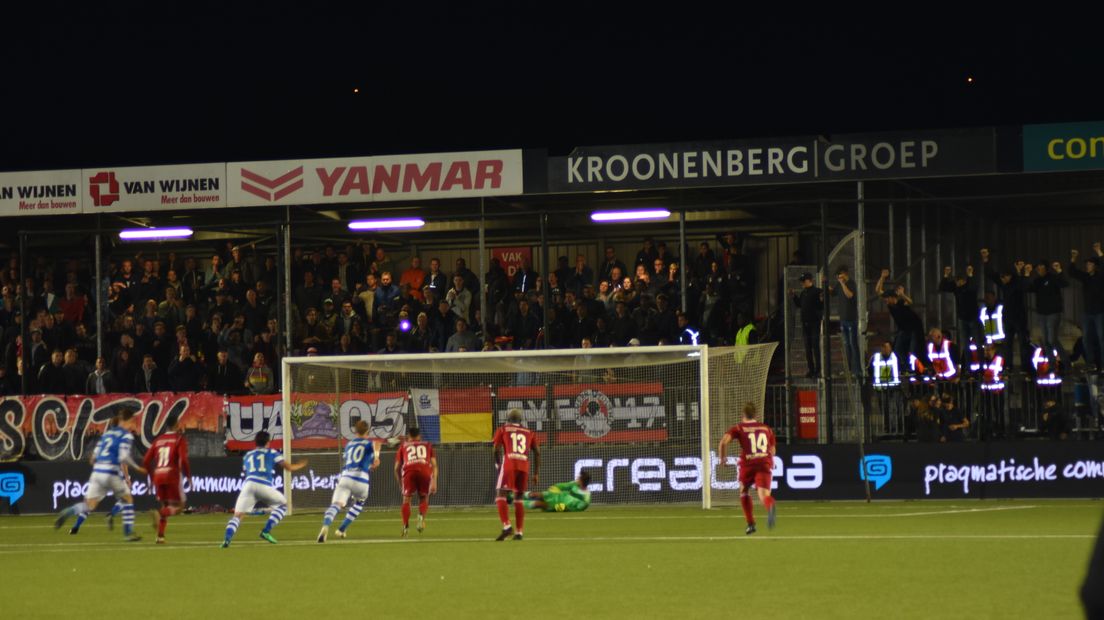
259 465
361 456
110 462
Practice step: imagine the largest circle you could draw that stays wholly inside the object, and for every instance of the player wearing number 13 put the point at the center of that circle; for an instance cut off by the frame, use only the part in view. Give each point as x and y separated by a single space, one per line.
259 465
512 445
756 461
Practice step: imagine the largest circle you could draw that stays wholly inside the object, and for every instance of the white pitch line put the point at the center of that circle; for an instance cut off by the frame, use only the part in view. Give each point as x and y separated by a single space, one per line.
114 546
594 517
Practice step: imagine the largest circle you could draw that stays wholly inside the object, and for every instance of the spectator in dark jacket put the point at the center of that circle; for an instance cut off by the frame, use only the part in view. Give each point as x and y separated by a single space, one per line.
1092 323
965 291
1047 286
524 326
149 377
1012 285
101 380
811 302
51 377
184 372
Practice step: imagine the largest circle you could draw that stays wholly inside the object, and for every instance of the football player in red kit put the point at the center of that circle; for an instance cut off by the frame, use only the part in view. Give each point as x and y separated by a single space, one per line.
166 461
416 471
756 461
512 445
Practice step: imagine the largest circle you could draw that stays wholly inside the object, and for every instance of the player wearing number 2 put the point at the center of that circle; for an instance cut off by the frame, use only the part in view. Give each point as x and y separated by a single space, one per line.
756 461
512 444
259 465
361 456
416 471
166 461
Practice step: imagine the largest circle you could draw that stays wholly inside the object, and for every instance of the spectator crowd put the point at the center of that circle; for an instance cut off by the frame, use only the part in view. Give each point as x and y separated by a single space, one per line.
186 323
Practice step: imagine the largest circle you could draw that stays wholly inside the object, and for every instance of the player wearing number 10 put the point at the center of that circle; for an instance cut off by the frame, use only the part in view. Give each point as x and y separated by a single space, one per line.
755 464
512 444
259 466
166 461
360 457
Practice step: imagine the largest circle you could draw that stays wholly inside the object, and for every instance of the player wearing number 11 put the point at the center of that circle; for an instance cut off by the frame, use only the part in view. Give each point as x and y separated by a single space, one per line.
259 465
166 461
756 461
512 445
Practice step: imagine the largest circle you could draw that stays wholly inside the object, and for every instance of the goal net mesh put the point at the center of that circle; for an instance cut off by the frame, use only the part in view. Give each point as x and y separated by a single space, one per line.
634 419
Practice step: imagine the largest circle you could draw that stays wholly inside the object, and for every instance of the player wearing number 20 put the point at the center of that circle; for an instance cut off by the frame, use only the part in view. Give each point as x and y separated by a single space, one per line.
360 457
756 461
166 461
259 465
416 471
512 444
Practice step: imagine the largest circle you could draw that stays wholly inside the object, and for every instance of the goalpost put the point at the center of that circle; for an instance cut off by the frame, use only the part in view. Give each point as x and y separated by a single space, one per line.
642 422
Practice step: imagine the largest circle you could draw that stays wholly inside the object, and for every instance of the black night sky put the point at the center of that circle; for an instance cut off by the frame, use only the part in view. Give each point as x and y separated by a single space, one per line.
114 92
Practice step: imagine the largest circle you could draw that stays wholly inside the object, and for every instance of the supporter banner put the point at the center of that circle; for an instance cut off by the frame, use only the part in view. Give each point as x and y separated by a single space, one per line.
776 160
513 259
318 419
66 427
597 412
154 188
381 178
1063 146
45 192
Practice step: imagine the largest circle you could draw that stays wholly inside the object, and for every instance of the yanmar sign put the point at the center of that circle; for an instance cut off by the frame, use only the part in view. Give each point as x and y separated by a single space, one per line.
380 178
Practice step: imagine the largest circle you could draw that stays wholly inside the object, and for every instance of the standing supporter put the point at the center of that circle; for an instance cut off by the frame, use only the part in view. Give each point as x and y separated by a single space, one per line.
184 373
1047 286
846 303
1092 322
259 378
810 300
414 277
224 377
910 329
965 291
1012 285
150 378
606 271
101 380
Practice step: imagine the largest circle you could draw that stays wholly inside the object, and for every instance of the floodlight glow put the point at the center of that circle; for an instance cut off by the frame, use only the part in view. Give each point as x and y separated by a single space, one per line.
630 216
391 224
132 234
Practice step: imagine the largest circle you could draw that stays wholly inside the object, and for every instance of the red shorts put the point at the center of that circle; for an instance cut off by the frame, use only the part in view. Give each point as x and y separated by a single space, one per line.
512 479
169 492
758 474
416 481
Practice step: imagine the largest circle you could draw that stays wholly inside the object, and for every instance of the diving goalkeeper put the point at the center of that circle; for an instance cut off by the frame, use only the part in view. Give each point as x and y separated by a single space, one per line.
562 497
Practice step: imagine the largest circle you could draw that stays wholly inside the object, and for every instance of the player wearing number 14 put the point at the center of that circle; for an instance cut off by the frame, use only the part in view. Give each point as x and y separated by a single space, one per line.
755 464
513 444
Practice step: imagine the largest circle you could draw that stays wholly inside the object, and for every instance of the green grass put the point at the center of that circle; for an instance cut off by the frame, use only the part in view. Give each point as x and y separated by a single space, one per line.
825 560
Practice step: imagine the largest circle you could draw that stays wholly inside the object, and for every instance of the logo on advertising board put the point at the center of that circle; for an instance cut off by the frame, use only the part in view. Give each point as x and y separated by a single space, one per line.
877 468
272 190
154 188
103 188
1063 146
12 486
594 410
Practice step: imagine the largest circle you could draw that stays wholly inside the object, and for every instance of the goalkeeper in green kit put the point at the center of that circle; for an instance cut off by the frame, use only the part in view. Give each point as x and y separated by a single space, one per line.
562 497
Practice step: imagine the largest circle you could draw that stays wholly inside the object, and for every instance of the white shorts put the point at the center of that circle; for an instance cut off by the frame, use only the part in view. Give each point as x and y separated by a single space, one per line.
100 484
347 487
253 493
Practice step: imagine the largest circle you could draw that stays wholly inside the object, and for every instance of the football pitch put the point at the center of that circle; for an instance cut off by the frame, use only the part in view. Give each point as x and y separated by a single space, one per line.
840 559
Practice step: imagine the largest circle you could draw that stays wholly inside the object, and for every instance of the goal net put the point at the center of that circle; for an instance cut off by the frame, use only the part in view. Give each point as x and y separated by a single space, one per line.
642 422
